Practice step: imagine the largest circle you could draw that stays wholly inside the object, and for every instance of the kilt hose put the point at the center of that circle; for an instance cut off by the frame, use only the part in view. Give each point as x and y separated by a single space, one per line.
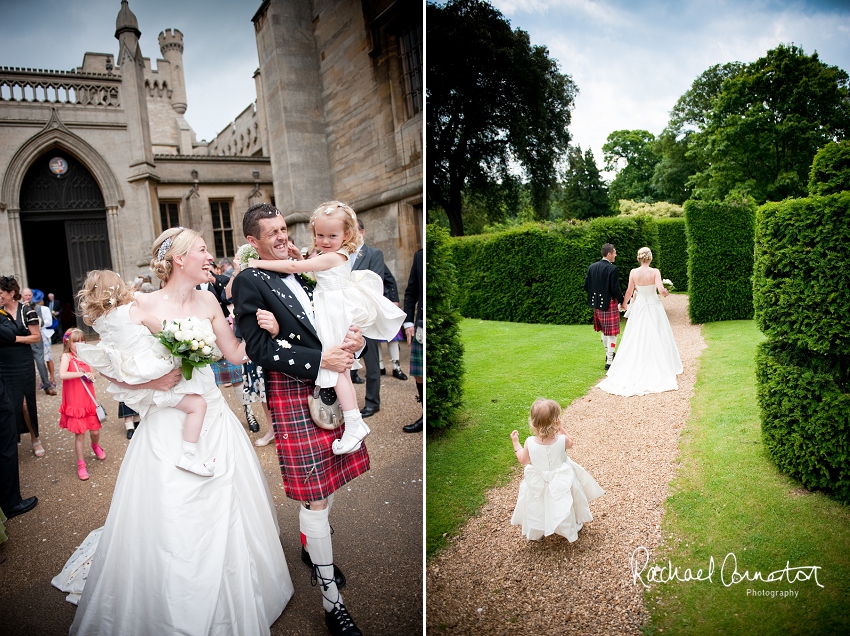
308 466
608 322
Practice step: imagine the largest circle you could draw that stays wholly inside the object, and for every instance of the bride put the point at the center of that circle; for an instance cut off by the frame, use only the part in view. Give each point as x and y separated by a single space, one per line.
182 554
647 360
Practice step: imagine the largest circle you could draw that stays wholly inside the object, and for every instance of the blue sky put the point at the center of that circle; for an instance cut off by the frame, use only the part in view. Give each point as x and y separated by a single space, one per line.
220 54
633 59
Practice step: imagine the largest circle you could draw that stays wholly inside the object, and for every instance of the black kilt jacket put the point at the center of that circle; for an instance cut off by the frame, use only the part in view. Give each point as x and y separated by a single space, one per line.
602 283
297 350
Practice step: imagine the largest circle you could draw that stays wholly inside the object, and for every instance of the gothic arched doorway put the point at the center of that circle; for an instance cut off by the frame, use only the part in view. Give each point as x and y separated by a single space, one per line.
63 227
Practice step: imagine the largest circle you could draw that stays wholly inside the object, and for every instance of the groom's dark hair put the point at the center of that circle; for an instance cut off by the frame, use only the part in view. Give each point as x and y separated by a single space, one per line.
251 220
607 249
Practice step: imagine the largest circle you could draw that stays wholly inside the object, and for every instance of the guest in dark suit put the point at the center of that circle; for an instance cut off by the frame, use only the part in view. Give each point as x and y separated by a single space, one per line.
55 308
10 484
413 306
602 285
373 259
274 314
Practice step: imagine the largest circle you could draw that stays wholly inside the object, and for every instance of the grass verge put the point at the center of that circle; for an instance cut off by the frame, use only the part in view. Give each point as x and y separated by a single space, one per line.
508 365
728 497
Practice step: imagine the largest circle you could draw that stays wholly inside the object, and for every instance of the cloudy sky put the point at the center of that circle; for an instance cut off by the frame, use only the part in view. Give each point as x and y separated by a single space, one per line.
220 54
632 59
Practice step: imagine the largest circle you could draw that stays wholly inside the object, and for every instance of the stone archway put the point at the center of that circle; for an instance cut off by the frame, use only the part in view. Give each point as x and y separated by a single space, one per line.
55 135
63 227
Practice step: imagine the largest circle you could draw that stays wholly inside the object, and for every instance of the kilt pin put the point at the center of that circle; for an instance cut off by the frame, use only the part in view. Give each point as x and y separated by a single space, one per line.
291 361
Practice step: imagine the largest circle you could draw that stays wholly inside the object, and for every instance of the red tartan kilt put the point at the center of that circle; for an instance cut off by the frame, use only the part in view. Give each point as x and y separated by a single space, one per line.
308 466
608 322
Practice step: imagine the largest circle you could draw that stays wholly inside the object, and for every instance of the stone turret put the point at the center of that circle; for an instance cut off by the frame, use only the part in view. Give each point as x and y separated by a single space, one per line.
171 47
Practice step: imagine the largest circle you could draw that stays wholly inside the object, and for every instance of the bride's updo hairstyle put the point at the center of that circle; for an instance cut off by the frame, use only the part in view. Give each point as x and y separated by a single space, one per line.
175 241
644 255
339 210
545 418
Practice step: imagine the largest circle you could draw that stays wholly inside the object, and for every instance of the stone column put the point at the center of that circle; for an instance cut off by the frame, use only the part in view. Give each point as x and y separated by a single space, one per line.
292 101
19 264
116 248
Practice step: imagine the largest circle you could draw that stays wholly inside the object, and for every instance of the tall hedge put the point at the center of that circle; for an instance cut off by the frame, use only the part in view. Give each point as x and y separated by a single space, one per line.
802 269
535 273
443 346
720 237
673 257
805 410
802 264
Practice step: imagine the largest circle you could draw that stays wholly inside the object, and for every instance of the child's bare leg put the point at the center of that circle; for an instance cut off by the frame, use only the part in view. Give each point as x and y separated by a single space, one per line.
195 408
79 443
355 427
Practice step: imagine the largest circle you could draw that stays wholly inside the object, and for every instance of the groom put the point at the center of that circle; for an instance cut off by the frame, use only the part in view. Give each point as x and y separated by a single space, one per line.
602 285
291 359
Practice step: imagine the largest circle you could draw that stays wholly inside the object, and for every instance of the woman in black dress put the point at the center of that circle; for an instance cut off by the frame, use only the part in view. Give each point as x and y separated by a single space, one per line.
17 365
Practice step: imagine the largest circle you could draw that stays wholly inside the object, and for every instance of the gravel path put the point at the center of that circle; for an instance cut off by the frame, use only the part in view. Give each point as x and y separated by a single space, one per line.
377 518
491 580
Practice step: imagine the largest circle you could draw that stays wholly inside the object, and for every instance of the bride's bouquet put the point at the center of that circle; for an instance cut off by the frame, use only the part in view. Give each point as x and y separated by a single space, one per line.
188 340
668 284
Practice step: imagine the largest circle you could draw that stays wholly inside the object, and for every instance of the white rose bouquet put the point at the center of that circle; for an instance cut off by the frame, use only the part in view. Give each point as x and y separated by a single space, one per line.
246 252
188 340
668 284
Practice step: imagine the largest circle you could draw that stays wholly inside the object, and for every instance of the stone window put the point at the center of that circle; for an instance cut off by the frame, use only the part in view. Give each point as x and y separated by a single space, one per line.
169 214
410 51
222 228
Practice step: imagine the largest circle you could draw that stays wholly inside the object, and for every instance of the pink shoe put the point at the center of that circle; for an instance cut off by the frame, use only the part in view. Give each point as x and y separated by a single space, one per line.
81 471
98 451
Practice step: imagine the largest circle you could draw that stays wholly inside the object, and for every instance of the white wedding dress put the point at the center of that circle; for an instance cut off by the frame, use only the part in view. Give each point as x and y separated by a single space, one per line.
647 359
183 554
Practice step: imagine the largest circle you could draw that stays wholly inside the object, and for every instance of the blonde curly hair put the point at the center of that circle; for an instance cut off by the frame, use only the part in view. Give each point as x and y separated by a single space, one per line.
103 291
545 418
644 255
338 210
175 241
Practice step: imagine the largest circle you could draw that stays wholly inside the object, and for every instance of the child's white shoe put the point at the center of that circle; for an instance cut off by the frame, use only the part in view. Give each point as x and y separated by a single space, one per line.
192 464
352 438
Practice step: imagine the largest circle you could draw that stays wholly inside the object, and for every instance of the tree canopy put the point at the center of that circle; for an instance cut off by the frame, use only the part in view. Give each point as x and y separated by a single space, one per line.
494 101
632 154
763 128
582 194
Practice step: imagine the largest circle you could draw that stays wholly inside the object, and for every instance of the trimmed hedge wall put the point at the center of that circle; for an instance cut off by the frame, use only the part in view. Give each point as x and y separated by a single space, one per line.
673 257
802 265
443 346
805 408
720 238
802 262
830 171
535 273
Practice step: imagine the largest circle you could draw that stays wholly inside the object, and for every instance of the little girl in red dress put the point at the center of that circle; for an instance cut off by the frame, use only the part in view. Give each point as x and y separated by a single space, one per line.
78 410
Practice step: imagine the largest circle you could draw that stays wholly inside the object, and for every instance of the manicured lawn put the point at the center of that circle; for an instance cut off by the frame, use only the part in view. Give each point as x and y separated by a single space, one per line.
729 498
508 365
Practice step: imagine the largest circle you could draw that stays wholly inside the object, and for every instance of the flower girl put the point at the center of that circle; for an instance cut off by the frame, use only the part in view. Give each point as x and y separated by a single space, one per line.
342 298
129 352
555 492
